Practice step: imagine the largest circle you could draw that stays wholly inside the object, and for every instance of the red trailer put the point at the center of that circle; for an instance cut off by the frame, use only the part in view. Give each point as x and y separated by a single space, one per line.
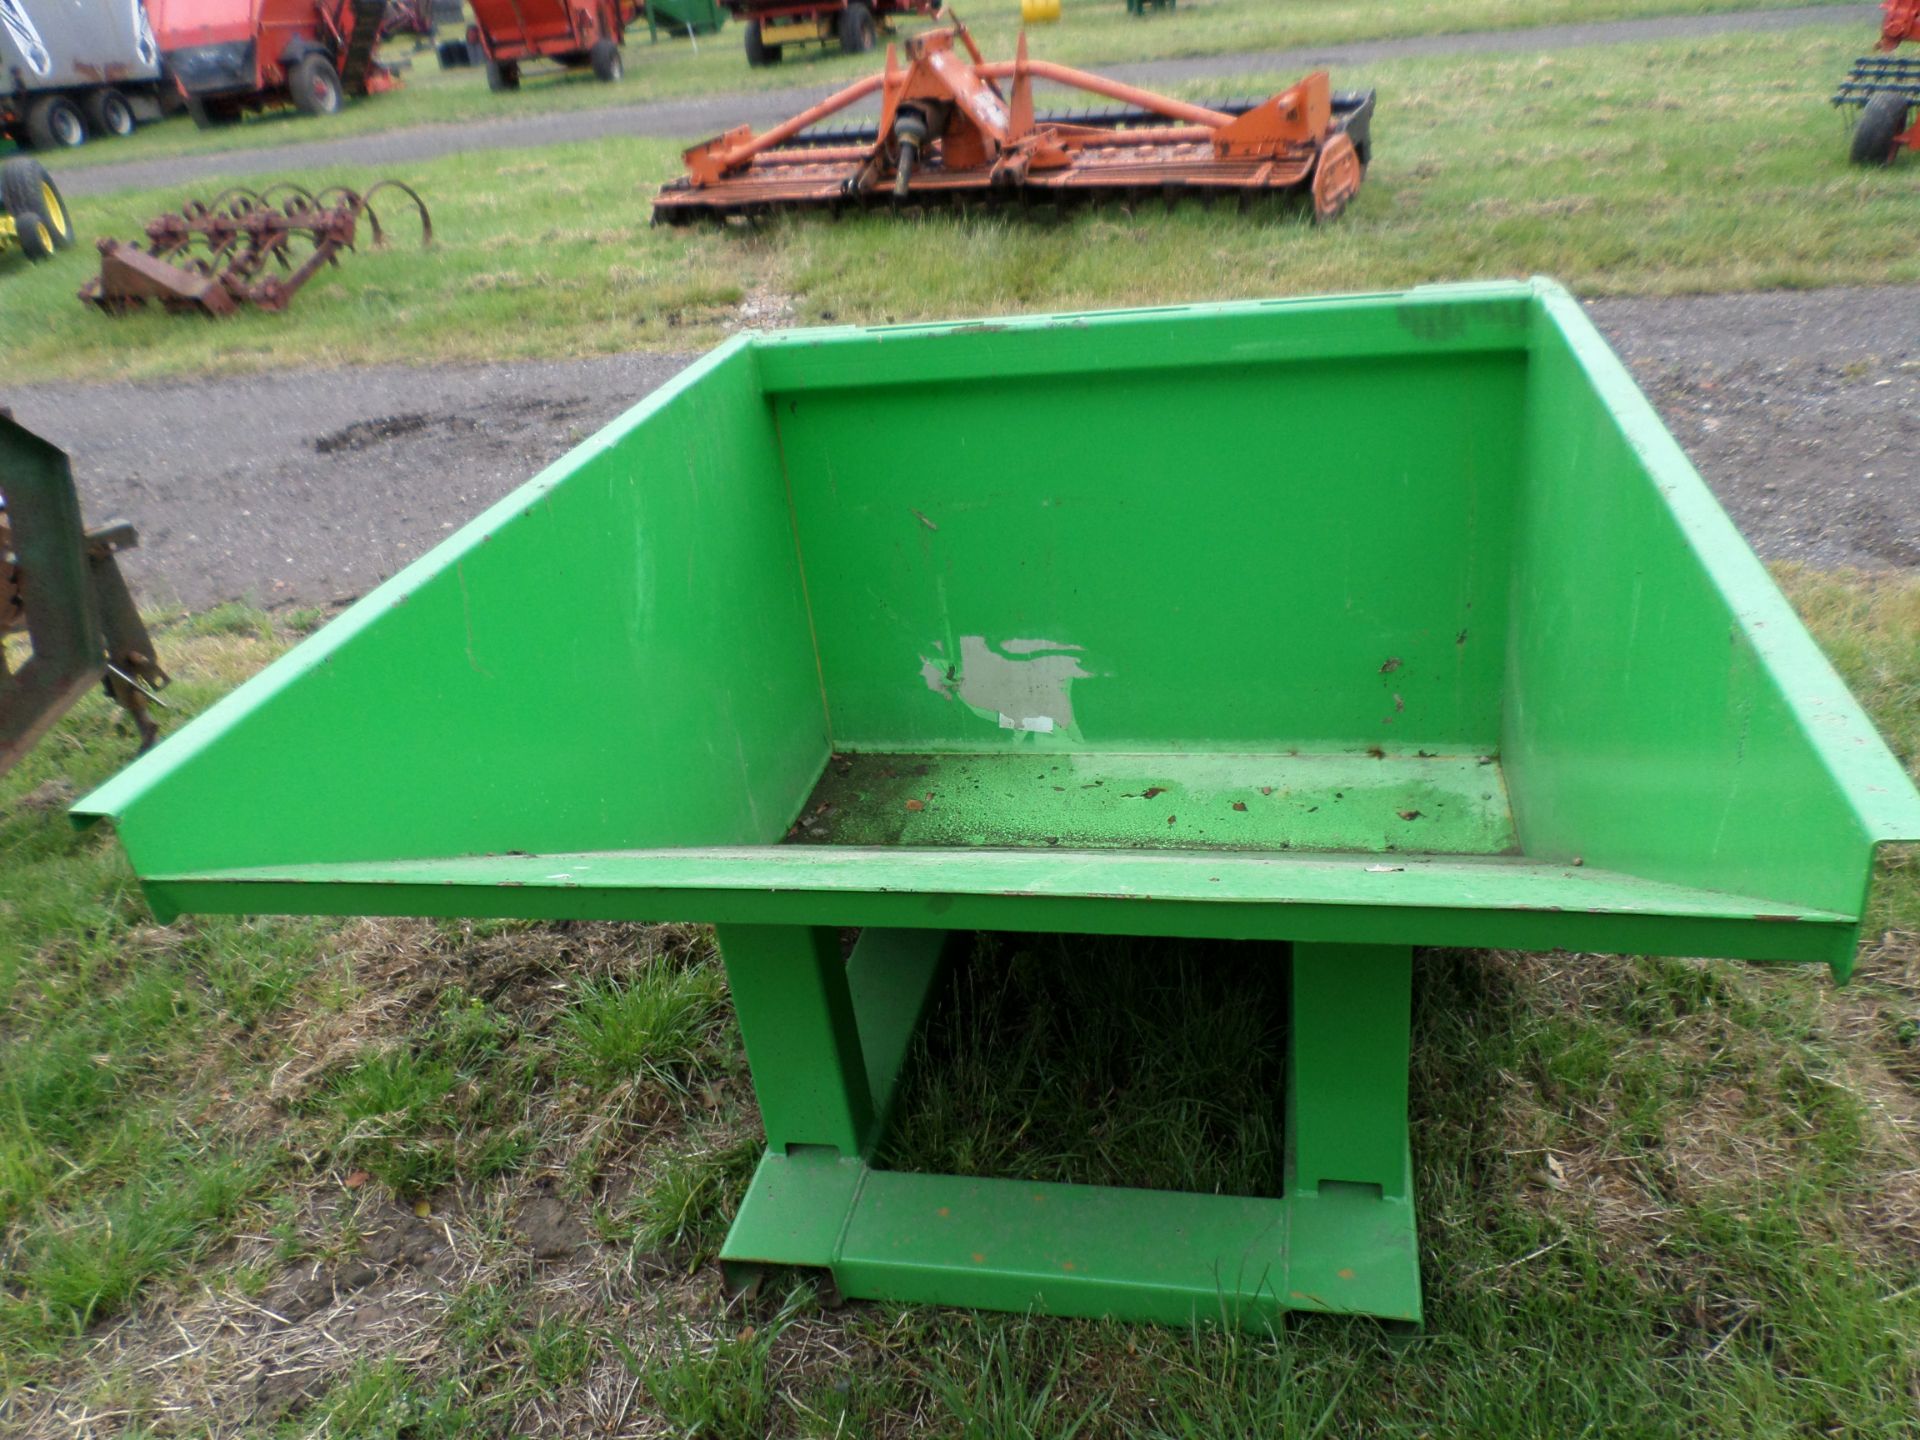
853 25
230 56
573 32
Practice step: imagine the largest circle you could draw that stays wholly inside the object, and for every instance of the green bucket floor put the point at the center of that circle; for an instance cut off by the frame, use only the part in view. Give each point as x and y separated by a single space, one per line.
1431 804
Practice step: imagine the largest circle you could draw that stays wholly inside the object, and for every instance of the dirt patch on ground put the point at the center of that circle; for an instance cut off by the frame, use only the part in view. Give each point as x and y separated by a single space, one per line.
1802 409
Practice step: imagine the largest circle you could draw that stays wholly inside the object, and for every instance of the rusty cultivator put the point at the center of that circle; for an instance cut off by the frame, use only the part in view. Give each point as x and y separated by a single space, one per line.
213 257
947 131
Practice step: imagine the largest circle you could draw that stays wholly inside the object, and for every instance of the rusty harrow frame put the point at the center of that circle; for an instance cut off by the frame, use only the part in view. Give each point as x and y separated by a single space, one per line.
213 257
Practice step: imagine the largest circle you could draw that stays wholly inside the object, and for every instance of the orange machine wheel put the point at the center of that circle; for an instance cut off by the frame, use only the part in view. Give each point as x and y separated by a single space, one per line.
1336 179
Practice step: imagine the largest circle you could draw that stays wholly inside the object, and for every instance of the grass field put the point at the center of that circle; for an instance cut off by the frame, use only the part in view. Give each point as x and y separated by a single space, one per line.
1093 32
384 1179
1672 167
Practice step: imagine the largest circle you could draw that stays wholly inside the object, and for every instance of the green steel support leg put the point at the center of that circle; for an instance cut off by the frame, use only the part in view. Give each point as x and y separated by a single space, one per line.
1349 1178
891 975
1347 1065
826 1039
790 991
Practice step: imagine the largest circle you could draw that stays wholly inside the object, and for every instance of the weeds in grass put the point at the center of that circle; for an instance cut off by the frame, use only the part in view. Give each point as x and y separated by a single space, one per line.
658 1026
712 1386
1082 1059
688 1206
1009 1392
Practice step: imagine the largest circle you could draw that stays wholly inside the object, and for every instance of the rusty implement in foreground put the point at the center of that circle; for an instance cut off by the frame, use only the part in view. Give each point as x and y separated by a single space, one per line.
62 587
947 131
214 257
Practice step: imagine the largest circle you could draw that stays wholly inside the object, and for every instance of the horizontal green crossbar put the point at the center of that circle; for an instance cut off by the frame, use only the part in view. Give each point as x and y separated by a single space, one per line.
1087 1250
1485 901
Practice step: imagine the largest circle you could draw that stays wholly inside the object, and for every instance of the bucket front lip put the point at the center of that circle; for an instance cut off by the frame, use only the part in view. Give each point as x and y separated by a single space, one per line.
1485 902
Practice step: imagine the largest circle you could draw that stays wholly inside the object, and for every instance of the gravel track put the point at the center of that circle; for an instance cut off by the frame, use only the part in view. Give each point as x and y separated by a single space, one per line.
699 116
1801 408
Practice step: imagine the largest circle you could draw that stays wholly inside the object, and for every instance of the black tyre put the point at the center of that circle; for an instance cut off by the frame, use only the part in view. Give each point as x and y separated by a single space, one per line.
502 78
607 64
35 236
55 123
28 196
1881 118
315 85
857 30
110 113
758 54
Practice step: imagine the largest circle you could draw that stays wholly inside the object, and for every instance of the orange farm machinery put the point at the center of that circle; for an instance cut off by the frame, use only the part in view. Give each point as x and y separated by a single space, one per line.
947 131
575 33
231 56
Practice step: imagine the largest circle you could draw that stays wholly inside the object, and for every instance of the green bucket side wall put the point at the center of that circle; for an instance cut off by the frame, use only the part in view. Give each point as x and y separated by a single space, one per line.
616 655
1666 713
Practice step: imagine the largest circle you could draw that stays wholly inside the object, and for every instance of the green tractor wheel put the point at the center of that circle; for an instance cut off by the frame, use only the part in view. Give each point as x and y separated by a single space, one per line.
33 204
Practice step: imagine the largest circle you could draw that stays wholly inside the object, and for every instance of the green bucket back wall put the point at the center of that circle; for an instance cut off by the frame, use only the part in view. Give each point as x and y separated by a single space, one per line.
1302 553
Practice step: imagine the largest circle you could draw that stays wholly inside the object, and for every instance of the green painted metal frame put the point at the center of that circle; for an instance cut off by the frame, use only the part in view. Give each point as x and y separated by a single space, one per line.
826 1040
1492 552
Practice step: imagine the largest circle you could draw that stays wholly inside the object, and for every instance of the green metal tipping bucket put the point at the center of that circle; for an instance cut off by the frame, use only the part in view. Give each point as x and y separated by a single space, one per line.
1348 624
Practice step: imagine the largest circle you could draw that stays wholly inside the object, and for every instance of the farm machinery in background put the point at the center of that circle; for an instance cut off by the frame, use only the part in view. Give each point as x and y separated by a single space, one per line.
73 71
1885 88
61 586
574 34
684 17
232 56
853 25
33 216
410 17
948 132
213 258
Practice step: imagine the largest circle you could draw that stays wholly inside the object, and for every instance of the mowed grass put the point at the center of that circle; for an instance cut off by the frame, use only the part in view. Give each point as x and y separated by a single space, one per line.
1093 32
1674 167
284 1178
